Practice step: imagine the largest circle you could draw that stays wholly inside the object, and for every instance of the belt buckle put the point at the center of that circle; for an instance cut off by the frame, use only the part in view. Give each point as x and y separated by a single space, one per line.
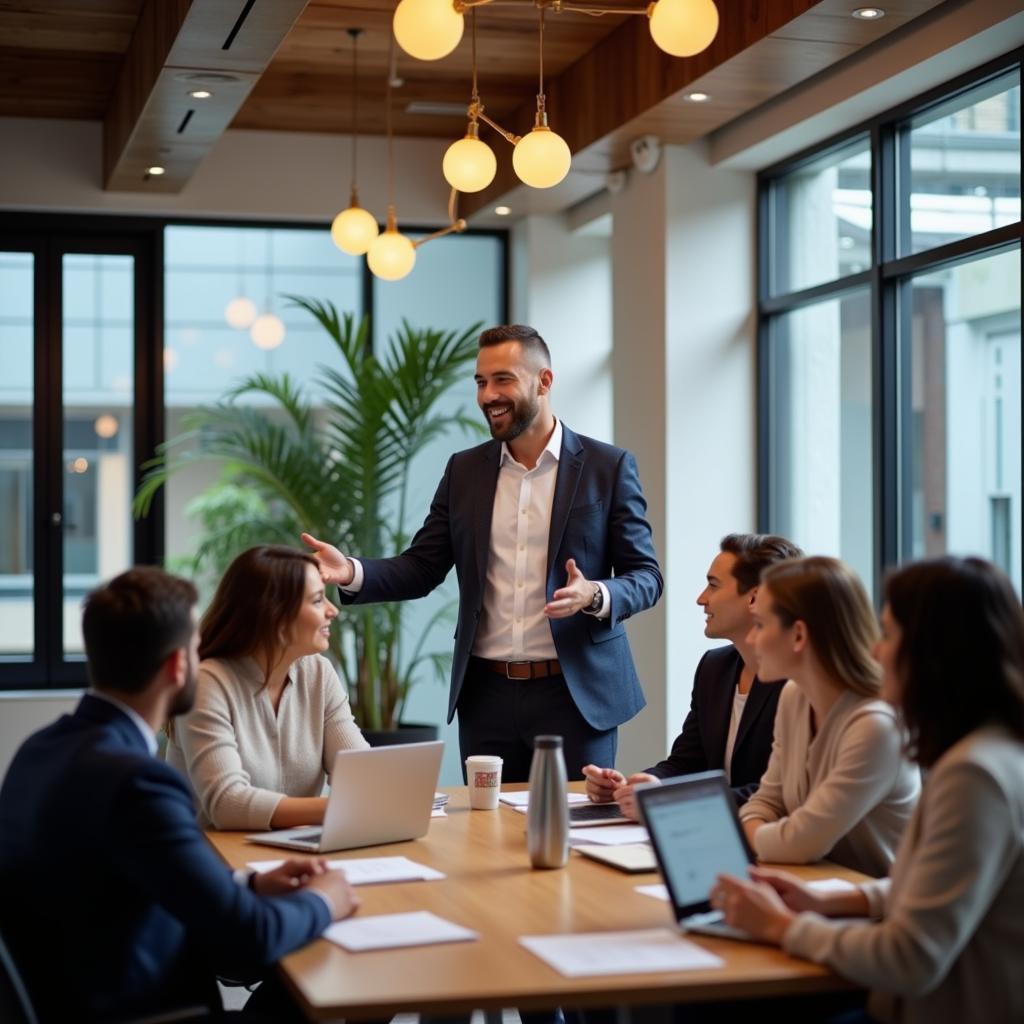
508 666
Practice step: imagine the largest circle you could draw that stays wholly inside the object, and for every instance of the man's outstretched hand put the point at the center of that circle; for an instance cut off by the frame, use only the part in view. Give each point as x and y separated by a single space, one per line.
577 594
334 566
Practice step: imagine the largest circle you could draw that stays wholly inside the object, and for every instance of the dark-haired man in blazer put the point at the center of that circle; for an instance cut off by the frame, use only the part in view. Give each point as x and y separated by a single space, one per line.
113 903
548 534
732 712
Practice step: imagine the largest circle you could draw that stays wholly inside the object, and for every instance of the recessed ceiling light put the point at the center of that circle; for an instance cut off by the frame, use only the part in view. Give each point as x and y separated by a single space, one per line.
200 94
156 170
503 211
697 97
869 13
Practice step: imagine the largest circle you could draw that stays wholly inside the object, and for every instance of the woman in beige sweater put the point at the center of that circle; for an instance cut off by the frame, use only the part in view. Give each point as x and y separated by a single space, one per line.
838 783
270 712
945 943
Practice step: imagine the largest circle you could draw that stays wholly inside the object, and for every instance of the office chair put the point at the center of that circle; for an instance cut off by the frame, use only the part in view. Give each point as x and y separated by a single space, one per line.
15 1006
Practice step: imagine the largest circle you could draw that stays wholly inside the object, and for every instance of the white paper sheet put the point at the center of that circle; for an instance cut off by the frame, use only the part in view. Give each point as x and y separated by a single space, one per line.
438 812
639 952
831 885
609 835
390 931
658 891
522 798
368 870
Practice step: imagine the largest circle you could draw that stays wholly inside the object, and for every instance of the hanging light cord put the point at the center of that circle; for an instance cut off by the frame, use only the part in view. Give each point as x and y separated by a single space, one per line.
354 33
387 123
475 98
540 36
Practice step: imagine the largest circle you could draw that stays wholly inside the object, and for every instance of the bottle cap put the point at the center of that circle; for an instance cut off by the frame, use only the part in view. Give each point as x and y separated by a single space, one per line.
547 743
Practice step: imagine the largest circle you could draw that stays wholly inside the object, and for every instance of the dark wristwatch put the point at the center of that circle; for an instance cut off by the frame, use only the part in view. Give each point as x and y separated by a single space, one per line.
597 603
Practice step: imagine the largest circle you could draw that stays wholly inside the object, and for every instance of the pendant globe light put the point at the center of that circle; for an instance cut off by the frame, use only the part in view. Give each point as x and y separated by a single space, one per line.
541 159
240 311
354 229
469 165
391 255
683 28
427 29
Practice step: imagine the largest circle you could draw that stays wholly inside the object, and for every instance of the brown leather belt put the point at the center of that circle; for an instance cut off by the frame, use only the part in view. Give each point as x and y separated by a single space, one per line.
522 669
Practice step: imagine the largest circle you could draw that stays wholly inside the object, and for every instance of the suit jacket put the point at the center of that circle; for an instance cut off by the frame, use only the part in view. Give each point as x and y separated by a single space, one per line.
598 517
113 902
700 747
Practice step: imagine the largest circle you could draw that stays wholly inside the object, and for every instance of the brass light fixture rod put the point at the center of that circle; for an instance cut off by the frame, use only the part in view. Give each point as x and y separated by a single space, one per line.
556 6
457 225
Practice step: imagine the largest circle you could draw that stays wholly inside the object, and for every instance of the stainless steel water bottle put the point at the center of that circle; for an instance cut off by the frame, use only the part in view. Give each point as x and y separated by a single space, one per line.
547 813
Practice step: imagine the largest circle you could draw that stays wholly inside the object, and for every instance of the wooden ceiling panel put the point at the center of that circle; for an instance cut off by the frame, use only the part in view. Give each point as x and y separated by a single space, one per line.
72 27
56 83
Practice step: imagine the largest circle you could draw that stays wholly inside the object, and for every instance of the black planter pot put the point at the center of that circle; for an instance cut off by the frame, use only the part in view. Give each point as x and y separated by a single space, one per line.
410 732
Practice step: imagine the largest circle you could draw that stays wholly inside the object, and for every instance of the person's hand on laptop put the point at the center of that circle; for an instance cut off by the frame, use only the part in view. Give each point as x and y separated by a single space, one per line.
626 793
800 897
602 783
334 566
753 907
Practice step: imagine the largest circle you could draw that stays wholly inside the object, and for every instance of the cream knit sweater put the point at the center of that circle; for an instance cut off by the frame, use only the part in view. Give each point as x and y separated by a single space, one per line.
845 794
241 758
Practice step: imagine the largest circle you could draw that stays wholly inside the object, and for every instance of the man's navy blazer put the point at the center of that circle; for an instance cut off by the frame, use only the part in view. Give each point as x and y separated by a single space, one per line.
701 745
113 902
598 517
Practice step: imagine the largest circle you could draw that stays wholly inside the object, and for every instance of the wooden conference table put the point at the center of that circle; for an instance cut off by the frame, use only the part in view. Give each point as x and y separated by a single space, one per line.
490 887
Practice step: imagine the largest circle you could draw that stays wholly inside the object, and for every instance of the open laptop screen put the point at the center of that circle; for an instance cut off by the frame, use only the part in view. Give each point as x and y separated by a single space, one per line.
696 836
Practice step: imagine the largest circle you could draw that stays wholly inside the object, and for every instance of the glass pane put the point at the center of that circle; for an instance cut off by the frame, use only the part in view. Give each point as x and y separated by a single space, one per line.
964 160
820 220
17 615
820 434
963 422
98 341
208 269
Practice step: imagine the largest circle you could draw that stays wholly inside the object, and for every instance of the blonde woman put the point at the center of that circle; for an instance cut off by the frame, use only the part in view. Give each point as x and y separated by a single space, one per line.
838 784
270 711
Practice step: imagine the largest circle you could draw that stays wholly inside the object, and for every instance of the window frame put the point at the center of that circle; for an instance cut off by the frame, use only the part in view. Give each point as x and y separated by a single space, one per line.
48 236
885 277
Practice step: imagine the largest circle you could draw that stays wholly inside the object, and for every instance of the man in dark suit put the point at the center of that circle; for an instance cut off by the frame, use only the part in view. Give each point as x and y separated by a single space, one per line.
547 533
732 712
114 904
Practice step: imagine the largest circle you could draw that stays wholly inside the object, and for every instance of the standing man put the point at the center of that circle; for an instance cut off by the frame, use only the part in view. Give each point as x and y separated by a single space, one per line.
548 536
732 712
113 903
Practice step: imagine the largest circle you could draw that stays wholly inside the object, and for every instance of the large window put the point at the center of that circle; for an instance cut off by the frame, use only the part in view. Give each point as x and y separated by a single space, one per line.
890 340
111 331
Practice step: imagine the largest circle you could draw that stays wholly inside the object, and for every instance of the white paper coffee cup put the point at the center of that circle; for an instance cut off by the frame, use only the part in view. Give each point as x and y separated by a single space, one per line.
483 776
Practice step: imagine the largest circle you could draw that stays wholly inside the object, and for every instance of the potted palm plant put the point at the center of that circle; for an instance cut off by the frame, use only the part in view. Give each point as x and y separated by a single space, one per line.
340 471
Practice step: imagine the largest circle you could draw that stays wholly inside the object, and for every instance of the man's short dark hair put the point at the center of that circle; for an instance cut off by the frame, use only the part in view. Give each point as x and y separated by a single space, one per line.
533 344
755 552
133 623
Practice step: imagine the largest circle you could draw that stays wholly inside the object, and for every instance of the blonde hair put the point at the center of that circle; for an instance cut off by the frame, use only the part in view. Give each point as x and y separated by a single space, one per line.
829 598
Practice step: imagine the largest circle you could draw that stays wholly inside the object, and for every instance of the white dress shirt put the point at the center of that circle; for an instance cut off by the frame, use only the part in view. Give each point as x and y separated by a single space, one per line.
513 626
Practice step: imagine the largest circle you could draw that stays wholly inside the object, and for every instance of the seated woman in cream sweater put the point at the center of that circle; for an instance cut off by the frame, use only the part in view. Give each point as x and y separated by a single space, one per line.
270 712
945 945
838 783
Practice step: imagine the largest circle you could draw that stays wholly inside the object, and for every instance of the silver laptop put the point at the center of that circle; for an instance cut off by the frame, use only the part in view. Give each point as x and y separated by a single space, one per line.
696 835
378 795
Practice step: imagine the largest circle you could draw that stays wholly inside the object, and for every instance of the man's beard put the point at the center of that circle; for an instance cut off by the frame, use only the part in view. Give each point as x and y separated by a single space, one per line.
524 412
187 695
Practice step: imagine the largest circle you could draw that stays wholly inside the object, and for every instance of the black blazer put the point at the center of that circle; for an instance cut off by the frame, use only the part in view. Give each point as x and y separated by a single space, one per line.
598 517
700 747
112 900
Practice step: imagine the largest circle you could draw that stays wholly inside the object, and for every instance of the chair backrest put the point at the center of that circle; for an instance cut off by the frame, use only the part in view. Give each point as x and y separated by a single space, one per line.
15 1005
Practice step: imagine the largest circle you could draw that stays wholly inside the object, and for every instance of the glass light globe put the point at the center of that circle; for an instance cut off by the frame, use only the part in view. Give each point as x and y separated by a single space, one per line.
267 331
240 312
469 165
353 230
541 159
683 27
427 29
391 256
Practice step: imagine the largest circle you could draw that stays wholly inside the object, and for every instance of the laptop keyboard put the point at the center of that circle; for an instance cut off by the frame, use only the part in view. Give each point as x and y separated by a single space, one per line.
310 836
595 812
